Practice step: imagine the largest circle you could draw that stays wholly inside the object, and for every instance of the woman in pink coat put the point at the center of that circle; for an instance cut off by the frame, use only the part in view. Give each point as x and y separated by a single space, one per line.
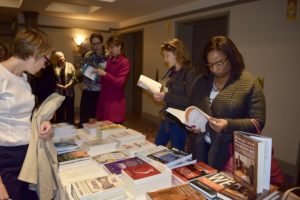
111 103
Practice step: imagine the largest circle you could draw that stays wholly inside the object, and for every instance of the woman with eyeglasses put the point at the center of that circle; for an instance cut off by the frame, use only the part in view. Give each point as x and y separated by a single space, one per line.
178 81
91 88
232 97
32 48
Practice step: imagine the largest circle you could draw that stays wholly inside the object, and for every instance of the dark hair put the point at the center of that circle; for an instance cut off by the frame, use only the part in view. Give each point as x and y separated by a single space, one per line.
5 49
118 41
177 47
228 48
96 35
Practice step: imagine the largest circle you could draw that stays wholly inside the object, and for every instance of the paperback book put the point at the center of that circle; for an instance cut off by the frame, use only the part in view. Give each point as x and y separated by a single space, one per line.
116 167
211 184
191 117
170 157
110 157
73 156
149 84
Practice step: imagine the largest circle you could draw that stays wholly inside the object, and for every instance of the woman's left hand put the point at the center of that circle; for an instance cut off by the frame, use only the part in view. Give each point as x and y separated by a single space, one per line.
45 130
218 125
159 96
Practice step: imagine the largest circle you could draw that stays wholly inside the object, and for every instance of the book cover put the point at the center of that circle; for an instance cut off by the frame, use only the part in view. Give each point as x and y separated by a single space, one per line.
238 191
110 157
149 84
252 160
191 117
170 157
141 171
193 171
89 72
97 187
182 192
65 145
116 167
212 183
72 156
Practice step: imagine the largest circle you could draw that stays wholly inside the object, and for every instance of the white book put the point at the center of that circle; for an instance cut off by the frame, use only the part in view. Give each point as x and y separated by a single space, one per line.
89 72
127 136
149 84
134 147
191 117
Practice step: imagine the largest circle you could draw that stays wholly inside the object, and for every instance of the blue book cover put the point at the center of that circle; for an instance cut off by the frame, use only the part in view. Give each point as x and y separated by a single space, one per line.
116 167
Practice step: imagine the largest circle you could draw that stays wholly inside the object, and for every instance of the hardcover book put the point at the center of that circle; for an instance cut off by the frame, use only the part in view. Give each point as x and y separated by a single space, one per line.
193 171
238 191
191 117
182 192
170 157
252 160
212 183
141 171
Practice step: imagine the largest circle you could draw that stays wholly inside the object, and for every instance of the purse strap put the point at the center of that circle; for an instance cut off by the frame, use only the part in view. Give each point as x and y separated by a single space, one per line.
257 126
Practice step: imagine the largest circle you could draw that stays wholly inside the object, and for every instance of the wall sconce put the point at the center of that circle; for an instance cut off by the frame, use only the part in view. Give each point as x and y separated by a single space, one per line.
78 40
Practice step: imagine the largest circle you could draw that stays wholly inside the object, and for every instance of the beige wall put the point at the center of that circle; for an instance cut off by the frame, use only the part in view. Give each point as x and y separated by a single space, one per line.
270 45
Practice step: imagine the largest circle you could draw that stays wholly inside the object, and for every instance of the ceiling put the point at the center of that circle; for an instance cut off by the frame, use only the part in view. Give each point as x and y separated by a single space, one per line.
97 10
101 13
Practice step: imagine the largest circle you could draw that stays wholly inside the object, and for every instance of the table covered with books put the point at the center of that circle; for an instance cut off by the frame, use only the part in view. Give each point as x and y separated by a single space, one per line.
109 161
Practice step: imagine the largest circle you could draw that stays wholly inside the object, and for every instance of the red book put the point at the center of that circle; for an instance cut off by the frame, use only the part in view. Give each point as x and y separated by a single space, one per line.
141 171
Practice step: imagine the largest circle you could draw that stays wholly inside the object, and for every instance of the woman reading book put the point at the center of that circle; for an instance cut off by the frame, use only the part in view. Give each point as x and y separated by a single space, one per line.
179 79
232 97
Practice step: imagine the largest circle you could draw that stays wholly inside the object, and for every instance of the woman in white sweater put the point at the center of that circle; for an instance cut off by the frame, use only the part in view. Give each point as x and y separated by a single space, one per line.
32 48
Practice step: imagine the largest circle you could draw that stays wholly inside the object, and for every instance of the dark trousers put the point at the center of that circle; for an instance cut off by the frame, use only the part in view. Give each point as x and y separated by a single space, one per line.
65 113
88 105
174 132
11 160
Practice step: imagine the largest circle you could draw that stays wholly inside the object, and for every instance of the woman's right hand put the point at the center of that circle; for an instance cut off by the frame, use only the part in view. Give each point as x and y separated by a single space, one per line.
193 129
3 191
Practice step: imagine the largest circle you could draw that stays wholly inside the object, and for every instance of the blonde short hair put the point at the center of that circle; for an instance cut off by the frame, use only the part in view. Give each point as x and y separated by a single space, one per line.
31 42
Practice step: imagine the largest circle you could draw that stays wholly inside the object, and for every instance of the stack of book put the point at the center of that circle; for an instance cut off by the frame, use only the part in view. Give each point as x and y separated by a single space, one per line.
64 145
95 145
63 130
185 174
106 131
172 157
104 187
127 136
145 176
102 128
132 148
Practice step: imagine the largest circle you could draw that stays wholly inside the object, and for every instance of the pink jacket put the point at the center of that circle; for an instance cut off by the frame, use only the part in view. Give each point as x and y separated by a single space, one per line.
111 103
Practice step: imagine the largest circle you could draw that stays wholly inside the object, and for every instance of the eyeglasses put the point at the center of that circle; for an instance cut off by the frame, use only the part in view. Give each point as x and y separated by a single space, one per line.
219 63
48 61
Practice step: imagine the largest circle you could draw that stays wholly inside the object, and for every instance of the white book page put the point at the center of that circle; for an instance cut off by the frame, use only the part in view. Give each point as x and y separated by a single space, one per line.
149 84
196 117
177 113
90 72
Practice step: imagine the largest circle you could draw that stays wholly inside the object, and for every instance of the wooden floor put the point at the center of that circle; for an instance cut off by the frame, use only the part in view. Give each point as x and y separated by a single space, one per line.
146 127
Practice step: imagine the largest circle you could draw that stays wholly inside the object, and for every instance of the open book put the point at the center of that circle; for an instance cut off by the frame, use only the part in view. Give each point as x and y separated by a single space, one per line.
192 116
89 72
149 84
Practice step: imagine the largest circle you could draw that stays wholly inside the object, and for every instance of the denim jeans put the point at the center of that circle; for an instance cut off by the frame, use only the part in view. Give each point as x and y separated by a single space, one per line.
175 133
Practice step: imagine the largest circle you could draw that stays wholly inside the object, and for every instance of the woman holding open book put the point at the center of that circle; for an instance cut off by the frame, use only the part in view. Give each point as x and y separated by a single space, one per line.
179 79
233 98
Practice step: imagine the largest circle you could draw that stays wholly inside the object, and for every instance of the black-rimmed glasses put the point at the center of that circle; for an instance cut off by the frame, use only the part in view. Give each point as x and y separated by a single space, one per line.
219 63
